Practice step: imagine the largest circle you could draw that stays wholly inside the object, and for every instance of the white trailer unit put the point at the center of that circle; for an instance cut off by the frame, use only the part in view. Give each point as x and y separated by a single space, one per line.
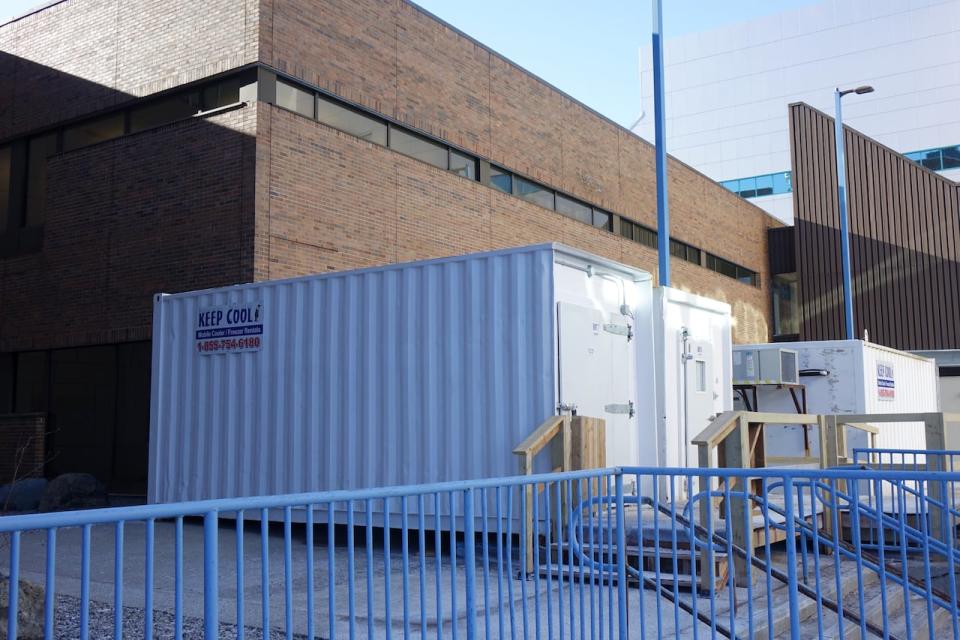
854 377
410 373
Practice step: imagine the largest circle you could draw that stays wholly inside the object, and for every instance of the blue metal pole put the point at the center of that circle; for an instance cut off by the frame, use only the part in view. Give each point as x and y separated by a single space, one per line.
844 222
211 595
660 141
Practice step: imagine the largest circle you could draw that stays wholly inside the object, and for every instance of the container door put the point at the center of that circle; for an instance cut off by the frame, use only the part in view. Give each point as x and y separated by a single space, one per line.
595 350
698 396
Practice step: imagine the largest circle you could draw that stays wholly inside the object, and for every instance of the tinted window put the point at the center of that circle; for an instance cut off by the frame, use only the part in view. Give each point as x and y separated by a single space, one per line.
5 166
230 91
533 192
93 131
765 185
39 150
164 111
951 157
638 233
501 180
601 219
574 209
419 148
463 165
294 99
352 122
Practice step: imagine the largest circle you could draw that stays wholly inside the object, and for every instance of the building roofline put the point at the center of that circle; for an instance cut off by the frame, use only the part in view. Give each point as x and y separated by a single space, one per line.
936 175
30 12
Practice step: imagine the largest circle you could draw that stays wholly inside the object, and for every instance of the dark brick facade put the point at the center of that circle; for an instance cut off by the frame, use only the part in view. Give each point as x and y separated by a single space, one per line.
22 446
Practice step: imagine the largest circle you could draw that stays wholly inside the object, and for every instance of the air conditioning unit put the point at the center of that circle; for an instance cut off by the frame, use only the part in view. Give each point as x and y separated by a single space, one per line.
765 365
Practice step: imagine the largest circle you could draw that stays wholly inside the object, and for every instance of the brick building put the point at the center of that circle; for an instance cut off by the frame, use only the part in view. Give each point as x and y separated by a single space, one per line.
165 146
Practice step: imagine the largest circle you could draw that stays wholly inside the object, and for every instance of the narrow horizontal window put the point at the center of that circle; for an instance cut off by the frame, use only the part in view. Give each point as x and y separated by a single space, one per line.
165 110
602 219
295 99
463 165
535 193
574 209
501 180
638 233
419 148
732 270
351 121
93 131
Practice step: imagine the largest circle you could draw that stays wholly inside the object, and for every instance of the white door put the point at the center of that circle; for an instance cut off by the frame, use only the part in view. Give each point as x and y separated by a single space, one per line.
595 350
698 396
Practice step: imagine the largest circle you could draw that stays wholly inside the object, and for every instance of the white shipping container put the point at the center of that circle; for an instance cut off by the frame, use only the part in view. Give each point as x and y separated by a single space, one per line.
861 377
411 373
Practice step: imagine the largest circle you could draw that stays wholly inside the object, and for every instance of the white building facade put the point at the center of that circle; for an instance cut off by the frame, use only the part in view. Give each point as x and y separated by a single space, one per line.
727 89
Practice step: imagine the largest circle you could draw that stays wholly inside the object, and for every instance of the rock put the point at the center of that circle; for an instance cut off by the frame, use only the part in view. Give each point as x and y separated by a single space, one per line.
22 495
29 609
73 491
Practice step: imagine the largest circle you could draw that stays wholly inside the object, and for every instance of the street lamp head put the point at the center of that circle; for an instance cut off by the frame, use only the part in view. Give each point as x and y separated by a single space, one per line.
859 90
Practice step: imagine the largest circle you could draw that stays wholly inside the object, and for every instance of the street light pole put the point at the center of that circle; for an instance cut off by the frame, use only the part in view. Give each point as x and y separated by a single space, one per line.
844 218
660 148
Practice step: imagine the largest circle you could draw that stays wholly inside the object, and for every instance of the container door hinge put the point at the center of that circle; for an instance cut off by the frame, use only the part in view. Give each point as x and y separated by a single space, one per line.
619 330
563 408
621 408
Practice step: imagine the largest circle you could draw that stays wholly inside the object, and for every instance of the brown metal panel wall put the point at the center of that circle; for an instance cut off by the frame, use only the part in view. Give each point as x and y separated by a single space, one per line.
905 240
781 244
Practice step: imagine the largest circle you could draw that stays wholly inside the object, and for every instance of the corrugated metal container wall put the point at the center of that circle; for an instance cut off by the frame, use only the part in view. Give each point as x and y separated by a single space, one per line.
899 382
360 376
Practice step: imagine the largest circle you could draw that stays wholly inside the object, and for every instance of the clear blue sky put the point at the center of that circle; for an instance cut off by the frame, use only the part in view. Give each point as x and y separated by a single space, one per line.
587 49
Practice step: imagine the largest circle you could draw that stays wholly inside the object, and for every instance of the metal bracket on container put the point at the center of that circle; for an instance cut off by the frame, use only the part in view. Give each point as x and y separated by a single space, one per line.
621 408
619 330
564 407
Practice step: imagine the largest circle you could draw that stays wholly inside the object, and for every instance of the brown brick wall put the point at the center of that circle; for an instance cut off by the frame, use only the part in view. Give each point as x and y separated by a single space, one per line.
329 201
80 56
390 56
22 446
163 210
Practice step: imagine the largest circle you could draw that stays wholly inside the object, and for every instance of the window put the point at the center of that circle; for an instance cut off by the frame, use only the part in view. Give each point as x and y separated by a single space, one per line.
239 88
733 270
351 122
701 366
684 251
164 111
786 320
6 165
602 219
535 193
758 186
463 165
39 149
748 188
765 185
419 148
574 209
638 233
501 180
937 159
295 99
93 131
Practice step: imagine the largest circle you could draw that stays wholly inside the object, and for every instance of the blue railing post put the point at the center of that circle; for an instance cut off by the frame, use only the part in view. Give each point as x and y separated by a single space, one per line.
211 596
469 560
790 508
13 591
622 557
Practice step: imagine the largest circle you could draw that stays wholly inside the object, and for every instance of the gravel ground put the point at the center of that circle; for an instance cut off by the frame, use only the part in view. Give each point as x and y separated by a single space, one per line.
101 623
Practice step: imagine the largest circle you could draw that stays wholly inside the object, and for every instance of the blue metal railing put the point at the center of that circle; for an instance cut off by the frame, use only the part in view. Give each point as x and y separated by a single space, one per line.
619 553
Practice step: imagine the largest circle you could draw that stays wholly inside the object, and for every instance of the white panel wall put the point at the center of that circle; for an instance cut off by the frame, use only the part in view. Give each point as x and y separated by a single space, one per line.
728 89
